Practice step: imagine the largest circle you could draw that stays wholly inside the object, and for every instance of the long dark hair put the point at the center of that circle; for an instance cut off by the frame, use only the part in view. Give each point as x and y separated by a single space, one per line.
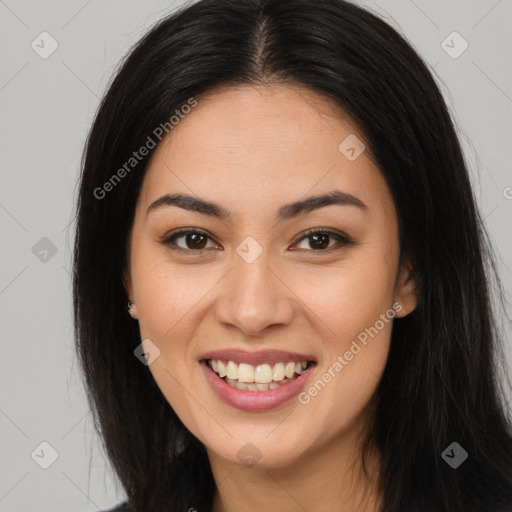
442 382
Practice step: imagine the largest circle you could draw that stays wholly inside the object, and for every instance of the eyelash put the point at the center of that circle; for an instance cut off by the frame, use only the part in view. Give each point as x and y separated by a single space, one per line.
343 240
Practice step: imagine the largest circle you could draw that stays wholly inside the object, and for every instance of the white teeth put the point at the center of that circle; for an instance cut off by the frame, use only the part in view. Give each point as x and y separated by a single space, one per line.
263 374
244 373
289 370
232 370
221 369
255 386
278 372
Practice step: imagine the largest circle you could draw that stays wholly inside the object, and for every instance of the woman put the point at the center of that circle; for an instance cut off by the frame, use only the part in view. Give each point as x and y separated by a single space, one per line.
276 190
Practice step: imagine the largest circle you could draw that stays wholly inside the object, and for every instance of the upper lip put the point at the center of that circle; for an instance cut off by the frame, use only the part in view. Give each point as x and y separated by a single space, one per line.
256 358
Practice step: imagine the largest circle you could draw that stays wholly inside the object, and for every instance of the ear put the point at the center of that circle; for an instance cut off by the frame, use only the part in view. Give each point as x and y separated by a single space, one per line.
406 290
132 307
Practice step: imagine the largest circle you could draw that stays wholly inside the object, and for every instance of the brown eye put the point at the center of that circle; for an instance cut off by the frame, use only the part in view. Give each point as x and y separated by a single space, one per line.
193 240
196 241
319 240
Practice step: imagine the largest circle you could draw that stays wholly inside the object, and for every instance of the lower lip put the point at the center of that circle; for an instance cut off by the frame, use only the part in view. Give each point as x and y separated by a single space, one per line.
255 400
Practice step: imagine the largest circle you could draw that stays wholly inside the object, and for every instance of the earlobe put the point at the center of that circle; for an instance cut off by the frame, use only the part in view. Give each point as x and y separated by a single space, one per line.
406 294
132 310
127 283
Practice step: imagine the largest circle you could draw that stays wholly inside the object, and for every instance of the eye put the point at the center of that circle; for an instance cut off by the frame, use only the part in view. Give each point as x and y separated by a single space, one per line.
318 239
194 240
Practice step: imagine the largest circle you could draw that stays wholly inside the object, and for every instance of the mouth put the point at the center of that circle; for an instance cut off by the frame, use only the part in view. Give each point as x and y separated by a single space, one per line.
257 381
262 377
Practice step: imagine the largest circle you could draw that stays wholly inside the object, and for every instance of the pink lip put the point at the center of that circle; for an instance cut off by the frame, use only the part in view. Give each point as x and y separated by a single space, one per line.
256 358
255 400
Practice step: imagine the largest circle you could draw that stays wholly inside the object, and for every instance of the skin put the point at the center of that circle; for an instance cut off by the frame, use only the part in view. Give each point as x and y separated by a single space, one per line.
253 149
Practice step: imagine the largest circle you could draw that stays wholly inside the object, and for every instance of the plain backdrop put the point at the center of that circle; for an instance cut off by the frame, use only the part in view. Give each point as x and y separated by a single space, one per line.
47 106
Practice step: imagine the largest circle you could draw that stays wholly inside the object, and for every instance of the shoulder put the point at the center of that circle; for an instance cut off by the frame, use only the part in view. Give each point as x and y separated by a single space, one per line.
122 507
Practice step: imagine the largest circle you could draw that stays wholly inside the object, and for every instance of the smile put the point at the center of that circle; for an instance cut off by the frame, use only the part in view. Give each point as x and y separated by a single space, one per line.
256 381
262 377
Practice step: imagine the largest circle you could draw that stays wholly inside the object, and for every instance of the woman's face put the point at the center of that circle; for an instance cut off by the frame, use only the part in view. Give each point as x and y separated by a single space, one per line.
253 280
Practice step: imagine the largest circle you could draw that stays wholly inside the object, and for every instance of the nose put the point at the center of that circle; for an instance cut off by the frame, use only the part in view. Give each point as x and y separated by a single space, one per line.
254 297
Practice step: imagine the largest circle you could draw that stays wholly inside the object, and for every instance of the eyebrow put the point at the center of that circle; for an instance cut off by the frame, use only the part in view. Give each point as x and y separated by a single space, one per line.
286 212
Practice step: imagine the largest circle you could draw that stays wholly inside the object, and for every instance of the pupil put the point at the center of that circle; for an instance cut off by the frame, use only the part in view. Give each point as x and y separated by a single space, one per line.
194 237
324 241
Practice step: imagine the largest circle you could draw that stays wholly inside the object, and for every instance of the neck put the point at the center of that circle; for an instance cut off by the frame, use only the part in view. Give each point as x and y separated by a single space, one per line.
326 477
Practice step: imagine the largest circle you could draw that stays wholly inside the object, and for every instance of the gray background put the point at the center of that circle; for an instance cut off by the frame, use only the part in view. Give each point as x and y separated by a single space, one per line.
47 106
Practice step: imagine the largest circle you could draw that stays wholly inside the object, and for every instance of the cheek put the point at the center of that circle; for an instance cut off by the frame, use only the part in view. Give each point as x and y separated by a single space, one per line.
350 297
167 294
168 299
353 318
356 319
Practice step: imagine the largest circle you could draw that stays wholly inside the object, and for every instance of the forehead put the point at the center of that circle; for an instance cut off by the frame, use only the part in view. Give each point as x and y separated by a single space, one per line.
253 144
